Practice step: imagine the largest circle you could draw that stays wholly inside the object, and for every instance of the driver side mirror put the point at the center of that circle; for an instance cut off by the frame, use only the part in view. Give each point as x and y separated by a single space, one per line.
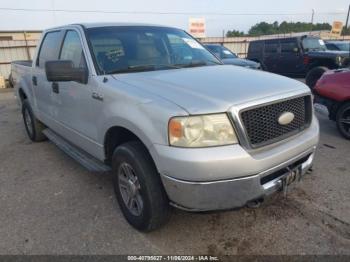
64 70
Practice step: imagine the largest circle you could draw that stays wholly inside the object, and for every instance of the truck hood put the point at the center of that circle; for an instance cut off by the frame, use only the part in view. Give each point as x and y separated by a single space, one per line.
328 54
211 89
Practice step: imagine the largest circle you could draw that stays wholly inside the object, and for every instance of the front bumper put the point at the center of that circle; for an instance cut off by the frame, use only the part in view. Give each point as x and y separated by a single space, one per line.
233 193
228 177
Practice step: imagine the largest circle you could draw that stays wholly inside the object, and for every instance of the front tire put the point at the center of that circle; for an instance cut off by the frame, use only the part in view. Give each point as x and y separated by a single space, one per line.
343 120
138 187
313 75
33 126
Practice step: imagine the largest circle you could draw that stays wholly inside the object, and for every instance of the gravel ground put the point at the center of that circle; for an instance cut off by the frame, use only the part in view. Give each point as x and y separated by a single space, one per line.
51 205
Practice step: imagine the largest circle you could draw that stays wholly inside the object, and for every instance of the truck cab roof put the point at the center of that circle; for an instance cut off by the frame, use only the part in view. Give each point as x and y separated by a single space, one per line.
107 24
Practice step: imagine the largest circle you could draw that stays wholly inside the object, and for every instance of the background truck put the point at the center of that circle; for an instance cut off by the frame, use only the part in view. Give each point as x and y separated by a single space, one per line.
303 56
230 58
172 124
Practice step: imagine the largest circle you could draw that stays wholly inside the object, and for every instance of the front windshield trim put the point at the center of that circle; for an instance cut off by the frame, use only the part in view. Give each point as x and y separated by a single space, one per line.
209 58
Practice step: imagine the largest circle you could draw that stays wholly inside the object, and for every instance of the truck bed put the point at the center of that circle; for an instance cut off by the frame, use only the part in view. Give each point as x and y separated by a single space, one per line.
23 62
21 72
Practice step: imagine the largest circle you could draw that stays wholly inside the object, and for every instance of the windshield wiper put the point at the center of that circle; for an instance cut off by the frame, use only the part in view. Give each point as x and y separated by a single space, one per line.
143 68
201 63
198 63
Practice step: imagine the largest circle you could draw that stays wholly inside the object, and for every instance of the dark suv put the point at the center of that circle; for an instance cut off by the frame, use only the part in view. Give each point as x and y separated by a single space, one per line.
297 56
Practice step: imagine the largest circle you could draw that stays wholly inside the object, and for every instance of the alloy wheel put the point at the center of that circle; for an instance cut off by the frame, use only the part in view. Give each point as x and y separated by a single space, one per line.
129 187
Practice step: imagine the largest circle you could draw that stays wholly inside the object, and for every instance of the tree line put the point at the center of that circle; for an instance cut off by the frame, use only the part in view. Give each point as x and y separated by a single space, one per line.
264 28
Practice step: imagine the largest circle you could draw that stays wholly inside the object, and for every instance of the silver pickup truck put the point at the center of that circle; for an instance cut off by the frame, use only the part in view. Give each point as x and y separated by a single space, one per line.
174 125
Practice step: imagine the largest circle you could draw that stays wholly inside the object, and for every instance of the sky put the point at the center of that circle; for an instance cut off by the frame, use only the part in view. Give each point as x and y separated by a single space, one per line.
220 15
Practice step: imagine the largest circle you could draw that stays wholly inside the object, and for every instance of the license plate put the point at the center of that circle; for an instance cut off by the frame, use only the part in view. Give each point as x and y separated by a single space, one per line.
292 176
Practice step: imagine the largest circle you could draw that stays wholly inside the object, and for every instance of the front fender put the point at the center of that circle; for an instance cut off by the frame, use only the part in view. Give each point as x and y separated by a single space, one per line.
148 121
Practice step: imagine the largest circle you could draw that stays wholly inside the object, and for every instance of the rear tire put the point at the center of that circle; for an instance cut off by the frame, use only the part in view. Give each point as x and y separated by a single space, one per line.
138 187
33 126
313 75
343 120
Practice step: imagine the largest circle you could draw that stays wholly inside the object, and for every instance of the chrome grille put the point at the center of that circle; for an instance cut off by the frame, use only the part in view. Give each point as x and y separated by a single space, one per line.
261 123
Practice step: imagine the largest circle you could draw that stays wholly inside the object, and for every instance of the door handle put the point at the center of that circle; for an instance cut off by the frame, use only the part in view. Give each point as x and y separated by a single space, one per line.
55 88
34 80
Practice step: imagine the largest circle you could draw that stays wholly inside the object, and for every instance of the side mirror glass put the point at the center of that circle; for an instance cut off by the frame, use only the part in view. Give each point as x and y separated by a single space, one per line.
64 70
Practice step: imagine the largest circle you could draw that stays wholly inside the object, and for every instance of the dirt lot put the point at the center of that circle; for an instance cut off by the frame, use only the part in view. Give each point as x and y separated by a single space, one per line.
51 205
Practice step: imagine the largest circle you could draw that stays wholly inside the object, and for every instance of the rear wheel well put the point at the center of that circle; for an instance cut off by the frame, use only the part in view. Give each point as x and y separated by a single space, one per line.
22 95
116 136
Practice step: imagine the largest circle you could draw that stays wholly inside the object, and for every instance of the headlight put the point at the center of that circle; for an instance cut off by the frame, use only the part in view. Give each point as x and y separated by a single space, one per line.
201 131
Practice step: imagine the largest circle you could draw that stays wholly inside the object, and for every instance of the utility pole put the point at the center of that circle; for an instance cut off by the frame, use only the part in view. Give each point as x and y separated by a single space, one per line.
347 19
53 12
312 19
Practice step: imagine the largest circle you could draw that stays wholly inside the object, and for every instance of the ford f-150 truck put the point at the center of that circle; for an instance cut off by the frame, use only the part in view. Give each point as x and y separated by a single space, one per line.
173 125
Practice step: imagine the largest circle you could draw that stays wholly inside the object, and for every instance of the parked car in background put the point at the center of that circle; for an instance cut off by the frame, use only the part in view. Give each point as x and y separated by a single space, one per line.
173 124
303 56
333 91
230 58
338 45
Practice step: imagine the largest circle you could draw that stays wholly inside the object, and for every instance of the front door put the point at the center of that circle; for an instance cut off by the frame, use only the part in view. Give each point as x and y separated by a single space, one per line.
76 110
291 60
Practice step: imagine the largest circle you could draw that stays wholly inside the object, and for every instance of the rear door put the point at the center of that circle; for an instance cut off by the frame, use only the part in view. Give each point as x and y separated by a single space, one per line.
291 60
272 55
49 50
76 110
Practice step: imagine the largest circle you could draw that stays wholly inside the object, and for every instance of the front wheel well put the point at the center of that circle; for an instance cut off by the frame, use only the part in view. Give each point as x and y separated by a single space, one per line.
115 136
334 109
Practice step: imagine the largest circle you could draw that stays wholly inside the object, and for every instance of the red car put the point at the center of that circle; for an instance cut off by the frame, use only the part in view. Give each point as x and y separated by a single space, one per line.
333 91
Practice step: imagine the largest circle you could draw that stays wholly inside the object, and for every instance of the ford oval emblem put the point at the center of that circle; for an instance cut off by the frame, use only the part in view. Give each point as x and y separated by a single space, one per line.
286 118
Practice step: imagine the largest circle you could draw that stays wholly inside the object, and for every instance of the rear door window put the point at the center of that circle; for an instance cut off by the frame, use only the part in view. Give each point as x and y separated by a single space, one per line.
271 47
49 49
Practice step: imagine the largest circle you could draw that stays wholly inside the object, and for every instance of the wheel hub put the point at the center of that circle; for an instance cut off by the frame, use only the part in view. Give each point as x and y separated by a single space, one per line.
129 187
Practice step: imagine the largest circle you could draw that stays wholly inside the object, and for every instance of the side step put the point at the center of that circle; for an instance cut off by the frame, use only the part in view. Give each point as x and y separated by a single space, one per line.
89 162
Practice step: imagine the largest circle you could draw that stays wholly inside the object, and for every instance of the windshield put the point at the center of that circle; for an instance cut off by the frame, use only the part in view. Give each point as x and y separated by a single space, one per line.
313 44
144 48
221 51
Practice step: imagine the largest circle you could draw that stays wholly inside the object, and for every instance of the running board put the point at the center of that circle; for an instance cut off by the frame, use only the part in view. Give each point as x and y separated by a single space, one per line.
89 162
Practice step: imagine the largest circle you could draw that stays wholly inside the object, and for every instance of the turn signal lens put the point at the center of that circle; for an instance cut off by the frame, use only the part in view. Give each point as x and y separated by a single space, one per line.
175 128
